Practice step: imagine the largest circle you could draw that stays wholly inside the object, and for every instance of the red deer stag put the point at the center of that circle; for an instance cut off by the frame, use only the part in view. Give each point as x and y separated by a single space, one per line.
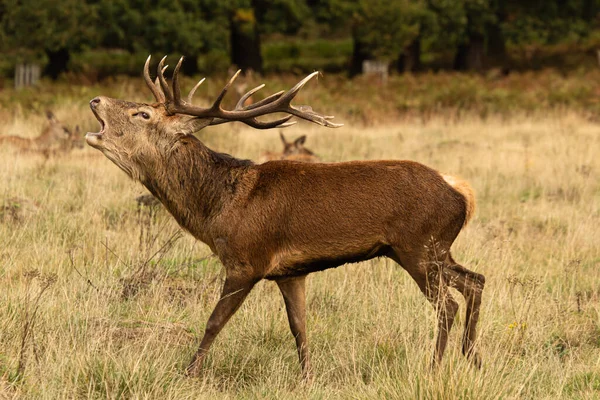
283 220
55 137
293 151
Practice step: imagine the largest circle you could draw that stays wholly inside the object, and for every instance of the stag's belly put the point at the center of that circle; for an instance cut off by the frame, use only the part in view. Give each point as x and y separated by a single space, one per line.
296 263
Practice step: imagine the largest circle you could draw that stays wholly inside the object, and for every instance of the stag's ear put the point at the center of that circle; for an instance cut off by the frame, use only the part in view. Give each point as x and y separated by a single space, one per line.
195 124
51 117
300 141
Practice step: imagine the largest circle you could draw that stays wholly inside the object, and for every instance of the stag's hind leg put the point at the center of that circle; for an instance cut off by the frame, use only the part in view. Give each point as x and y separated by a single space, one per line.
470 284
426 271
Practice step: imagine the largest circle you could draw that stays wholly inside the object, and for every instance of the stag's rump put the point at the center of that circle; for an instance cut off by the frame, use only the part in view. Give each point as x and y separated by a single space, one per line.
324 215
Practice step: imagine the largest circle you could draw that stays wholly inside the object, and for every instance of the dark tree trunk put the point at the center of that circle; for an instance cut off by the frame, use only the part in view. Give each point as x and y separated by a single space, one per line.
190 66
410 59
589 10
360 53
58 62
496 48
469 55
460 59
496 43
245 45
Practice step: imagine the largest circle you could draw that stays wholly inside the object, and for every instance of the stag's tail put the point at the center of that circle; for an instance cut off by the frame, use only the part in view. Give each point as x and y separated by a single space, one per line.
466 191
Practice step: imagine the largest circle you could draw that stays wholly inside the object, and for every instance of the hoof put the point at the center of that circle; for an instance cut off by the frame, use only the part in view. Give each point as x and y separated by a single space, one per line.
307 377
193 370
476 360
474 357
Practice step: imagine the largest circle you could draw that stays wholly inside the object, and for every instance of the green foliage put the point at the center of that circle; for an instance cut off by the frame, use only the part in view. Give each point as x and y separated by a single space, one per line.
333 12
449 22
550 22
100 64
307 55
387 27
29 28
201 29
166 27
213 61
281 16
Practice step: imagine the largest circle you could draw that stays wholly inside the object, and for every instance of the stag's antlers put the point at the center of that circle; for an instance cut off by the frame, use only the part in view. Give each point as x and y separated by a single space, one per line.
279 102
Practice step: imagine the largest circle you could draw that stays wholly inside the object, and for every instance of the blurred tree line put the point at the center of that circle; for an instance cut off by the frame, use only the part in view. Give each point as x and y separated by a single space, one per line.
473 33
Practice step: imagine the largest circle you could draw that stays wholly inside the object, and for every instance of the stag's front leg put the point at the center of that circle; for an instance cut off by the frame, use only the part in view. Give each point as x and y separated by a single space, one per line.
234 292
294 296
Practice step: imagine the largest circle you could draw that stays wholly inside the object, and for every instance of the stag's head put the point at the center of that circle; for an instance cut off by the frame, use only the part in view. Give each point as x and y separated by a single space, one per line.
136 134
132 134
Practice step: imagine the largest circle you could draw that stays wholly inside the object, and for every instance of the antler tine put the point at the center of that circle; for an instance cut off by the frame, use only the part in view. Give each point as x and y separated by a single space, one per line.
284 99
217 104
159 89
163 82
157 95
310 110
254 123
294 91
191 94
279 102
240 104
306 112
157 85
278 123
266 100
285 125
176 88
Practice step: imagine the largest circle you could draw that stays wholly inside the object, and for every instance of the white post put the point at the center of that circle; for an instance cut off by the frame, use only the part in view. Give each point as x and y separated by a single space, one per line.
374 67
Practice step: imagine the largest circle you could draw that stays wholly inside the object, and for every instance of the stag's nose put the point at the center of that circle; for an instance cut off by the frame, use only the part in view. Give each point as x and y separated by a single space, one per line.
94 102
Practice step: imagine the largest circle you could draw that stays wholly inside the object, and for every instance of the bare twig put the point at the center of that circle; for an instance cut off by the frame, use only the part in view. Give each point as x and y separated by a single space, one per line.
72 259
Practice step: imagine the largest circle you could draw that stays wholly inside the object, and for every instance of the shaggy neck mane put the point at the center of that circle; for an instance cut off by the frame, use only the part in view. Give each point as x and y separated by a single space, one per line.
194 182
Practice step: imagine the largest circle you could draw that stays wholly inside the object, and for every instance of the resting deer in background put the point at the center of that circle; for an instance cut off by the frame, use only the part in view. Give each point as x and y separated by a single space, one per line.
293 151
75 141
283 220
55 136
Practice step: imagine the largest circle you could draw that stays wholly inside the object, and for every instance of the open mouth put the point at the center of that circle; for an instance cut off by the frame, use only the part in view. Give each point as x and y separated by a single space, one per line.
94 138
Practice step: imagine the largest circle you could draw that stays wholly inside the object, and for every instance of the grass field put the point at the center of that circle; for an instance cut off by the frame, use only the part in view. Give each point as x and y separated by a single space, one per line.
100 299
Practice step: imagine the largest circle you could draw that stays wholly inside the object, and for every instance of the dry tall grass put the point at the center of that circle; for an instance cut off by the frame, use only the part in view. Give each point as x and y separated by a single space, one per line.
101 299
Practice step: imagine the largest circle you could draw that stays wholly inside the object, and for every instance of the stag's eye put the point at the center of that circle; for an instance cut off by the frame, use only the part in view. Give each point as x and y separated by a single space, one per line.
142 114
